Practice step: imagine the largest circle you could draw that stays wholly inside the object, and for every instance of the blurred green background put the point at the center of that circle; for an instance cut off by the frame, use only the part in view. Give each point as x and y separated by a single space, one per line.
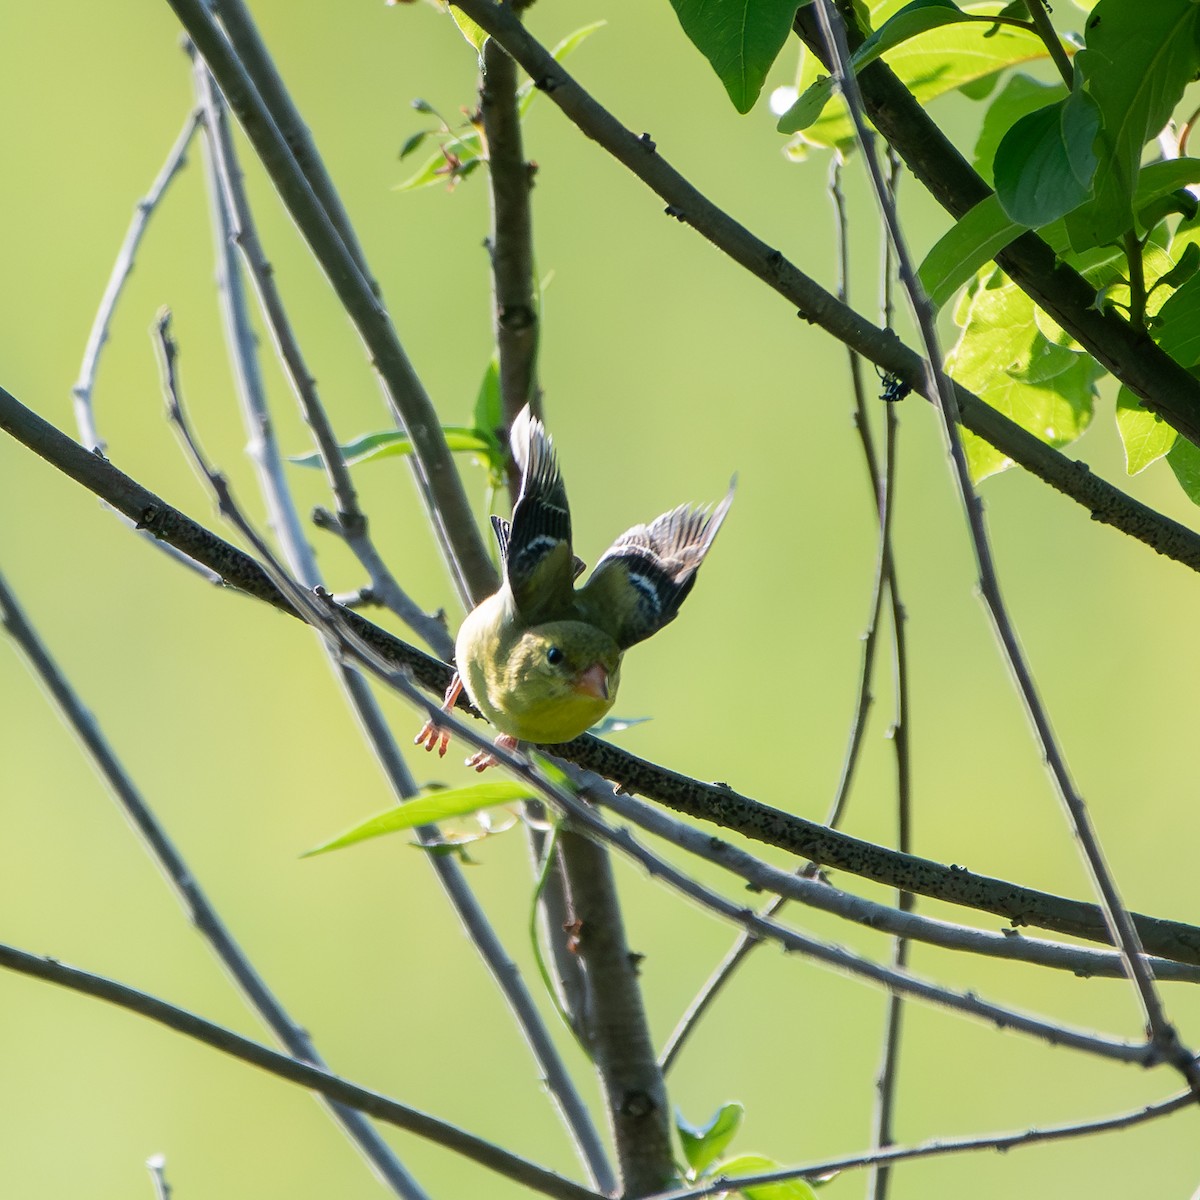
665 368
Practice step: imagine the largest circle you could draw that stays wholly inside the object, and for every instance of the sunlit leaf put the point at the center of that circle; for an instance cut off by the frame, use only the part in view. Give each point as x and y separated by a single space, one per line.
756 1164
704 1144
1145 437
1178 328
1184 460
471 30
429 810
1004 358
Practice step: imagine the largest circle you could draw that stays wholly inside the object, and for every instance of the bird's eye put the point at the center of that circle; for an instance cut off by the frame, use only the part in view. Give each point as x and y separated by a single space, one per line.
554 656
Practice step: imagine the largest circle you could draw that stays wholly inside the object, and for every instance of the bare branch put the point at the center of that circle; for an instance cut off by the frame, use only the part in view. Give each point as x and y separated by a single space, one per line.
85 385
188 891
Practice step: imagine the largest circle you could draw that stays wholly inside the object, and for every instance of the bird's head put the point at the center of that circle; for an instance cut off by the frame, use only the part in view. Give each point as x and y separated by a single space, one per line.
560 678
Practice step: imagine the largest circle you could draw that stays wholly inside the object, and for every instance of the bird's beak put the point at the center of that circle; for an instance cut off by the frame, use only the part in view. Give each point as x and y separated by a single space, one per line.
594 681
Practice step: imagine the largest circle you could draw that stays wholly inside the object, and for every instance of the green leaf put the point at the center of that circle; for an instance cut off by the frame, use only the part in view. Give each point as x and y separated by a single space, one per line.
1138 60
1045 162
1184 460
740 38
457 158
1184 269
1004 358
941 60
390 443
413 141
471 30
428 810
1019 97
703 1144
973 240
1178 328
488 413
756 1164
1145 437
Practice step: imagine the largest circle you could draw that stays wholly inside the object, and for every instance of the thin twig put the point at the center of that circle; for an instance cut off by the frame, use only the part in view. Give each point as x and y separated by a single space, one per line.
889 1068
713 986
1039 17
85 385
83 391
342 1091
741 949
1124 933
721 805
260 67
1001 1142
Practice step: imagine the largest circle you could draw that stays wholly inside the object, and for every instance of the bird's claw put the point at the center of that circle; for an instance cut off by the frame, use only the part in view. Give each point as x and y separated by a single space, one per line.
432 735
482 759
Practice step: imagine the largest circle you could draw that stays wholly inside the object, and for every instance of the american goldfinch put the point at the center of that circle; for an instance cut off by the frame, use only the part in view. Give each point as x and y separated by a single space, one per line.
540 659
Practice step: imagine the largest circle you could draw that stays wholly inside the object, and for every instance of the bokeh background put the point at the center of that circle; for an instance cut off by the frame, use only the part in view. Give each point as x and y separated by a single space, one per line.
665 369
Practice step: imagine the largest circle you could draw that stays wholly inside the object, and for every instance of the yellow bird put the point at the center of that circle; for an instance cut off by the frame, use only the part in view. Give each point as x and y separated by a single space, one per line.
540 659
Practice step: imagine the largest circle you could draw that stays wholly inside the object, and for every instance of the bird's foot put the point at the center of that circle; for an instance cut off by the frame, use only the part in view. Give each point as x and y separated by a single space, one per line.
432 735
481 759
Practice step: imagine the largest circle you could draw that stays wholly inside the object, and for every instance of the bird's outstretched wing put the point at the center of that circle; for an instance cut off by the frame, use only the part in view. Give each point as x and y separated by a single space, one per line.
645 575
536 547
